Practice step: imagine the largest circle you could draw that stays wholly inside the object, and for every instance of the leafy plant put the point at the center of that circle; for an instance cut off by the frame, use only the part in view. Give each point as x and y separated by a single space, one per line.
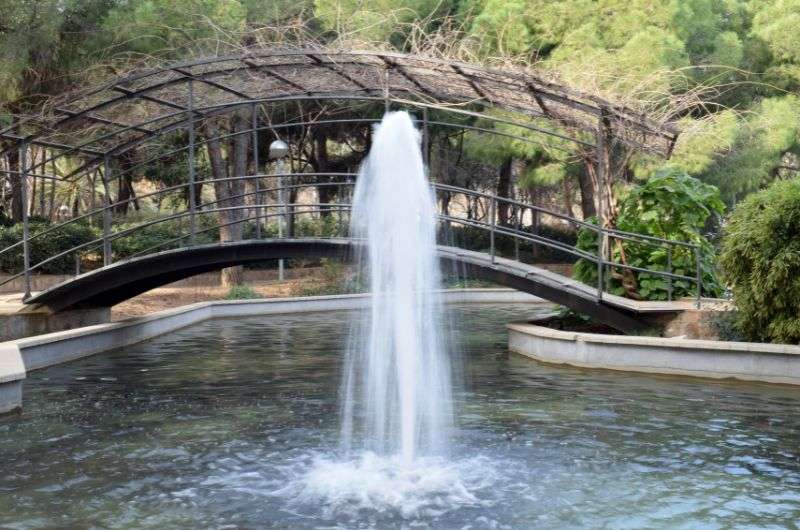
51 244
334 279
241 292
475 238
760 260
671 205
160 236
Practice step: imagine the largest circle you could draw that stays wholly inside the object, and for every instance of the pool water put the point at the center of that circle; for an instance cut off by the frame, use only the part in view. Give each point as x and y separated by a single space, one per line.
234 424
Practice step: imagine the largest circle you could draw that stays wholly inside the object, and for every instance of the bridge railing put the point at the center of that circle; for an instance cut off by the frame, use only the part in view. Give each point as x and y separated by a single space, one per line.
261 210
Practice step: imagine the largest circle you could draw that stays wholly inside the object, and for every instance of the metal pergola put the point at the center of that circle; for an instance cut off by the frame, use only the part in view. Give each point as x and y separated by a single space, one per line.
97 125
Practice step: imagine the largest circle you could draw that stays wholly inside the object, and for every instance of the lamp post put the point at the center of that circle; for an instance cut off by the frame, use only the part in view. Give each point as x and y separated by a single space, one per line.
277 152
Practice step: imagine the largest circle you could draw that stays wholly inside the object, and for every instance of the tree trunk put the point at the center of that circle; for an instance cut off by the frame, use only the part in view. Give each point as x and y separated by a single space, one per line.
586 185
240 149
16 185
229 192
52 211
32 203
321 164
43 184
504 190
568 206
126 194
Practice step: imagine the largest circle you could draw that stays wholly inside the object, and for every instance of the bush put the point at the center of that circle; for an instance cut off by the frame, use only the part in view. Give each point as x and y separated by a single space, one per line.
160 235
476 238
241 292
59 240
334 279
760 260
670 205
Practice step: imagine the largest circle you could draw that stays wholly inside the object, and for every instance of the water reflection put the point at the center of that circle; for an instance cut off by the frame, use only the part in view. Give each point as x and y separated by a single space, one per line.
211 427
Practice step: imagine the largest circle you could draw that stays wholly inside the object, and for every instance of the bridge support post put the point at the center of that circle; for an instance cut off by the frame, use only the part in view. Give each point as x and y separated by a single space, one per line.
190 157
106 212
26 251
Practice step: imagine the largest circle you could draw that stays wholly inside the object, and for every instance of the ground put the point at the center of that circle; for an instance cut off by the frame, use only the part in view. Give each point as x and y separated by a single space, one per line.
197 290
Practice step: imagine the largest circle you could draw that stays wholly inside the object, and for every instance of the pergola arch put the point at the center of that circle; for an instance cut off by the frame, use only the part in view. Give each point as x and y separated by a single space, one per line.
99 124
218 84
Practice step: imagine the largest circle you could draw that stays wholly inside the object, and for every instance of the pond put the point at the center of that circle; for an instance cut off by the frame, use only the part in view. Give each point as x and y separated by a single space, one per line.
219 426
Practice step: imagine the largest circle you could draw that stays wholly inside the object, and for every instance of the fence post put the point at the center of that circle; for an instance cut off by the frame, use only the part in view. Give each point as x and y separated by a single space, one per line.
255 167
191 155
26 251
699 275
106 213
669 270
492 220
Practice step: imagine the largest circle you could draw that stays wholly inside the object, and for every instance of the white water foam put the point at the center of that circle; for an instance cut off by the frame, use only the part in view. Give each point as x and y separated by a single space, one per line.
396 390
371 485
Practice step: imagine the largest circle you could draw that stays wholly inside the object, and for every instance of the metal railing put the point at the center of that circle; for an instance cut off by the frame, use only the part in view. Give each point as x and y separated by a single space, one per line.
260 211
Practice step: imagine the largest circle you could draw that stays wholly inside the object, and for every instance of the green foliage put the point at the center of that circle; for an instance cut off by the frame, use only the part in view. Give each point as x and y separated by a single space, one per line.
775 23
475 238
41 248
377 20
241 292
673 206
172 28
760 259
759 148
334 279
159 236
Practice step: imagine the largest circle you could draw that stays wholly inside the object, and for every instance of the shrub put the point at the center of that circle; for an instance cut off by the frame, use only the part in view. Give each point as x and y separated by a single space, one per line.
334 279
160 236
59 240
760 260
670 205
476 238
241 292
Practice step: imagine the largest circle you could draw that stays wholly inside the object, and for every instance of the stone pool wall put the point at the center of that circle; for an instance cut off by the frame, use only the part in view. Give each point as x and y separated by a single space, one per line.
770 363
33 353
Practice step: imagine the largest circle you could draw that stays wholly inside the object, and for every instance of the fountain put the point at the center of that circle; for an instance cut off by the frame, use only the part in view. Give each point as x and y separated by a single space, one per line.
396 396
396 387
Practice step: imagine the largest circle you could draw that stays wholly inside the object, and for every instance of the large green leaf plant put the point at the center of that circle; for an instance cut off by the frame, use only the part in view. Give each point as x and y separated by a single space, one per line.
670 205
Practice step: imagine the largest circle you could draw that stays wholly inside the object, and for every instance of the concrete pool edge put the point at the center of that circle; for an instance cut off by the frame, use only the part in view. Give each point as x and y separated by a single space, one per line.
746 361
19 356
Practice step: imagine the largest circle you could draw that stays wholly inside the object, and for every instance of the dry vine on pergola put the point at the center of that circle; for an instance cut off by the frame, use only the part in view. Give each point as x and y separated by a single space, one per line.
100 124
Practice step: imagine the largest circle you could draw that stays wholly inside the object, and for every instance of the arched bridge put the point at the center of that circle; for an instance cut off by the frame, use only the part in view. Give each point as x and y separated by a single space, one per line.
116 283
153 267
